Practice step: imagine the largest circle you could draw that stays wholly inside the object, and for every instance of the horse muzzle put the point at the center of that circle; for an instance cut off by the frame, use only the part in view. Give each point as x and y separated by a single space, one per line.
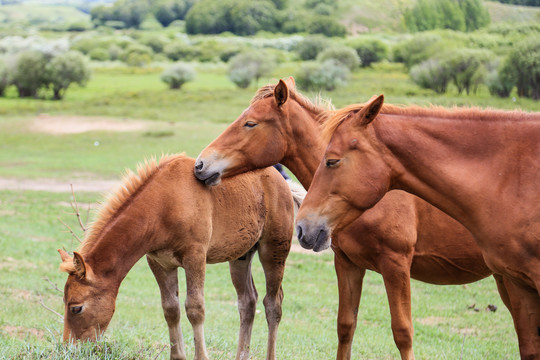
313 235
207 174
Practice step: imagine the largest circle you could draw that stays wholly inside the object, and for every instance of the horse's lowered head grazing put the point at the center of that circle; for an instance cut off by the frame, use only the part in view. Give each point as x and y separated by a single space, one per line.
89 303
253 141
354 180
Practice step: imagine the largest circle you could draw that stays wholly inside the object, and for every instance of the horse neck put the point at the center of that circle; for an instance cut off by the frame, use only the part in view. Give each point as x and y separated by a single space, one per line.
121 243
448 163
305 148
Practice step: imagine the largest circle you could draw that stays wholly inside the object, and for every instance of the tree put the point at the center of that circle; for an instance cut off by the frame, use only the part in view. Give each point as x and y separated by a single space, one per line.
523 65
177 75
5 76
343 54
467 67
251 65
369 50
327 75
309 47
431 74
28 72
65 69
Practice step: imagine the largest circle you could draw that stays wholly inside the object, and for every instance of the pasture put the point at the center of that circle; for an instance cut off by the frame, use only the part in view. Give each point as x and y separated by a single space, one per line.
446 323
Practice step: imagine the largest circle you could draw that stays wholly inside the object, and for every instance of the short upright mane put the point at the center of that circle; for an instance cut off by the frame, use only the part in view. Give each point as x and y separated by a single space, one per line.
332 122
132 184
319 106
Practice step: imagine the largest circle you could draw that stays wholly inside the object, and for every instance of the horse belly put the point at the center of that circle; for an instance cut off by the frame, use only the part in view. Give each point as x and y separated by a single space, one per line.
232 244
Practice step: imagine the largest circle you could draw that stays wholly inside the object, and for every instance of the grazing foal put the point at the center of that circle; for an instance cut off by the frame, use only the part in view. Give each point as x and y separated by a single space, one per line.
481 167
163 212
401 237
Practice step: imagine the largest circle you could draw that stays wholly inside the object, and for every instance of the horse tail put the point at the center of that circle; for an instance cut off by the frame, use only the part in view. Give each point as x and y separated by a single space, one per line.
298 193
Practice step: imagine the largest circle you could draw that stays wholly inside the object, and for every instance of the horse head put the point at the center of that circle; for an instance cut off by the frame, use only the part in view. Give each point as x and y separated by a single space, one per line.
256 139
89 302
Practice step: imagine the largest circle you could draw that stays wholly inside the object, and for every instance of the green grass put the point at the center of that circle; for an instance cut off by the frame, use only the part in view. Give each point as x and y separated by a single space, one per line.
187 120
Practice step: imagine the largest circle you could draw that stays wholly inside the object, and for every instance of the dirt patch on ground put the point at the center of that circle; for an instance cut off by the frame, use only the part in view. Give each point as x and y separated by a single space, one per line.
59 125
22 332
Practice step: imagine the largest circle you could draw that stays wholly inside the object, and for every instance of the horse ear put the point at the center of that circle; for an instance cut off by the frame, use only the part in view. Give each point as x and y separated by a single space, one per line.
290 82
80 266
371 110
281 93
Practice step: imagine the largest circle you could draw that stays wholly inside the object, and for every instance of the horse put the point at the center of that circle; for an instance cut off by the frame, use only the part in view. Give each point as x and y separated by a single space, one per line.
165 213
479 166
400 238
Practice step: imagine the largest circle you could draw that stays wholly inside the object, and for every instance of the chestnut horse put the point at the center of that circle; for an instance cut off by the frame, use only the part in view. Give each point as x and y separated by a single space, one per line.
480 167
400 238
167 214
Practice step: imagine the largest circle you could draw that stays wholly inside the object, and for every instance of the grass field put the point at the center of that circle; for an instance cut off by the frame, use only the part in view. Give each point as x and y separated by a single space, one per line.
186 120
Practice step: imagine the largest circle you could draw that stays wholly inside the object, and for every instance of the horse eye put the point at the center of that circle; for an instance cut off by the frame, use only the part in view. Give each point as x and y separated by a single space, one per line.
332 162
75 310
250 124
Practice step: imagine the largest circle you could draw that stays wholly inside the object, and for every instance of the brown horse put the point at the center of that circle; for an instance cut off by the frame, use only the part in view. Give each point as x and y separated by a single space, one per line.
402 237
481 167
167 214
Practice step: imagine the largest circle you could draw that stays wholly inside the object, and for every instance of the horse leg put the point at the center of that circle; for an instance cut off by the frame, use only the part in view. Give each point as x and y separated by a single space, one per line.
273 256
525 304
195 269
396 273
167 280
350 280
247 300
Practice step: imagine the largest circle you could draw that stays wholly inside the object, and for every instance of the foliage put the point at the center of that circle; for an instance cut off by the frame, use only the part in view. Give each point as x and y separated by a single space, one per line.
250 65
463 15
244 17
136 55
342 54
177 75
28 72
467 68
311 46
417 49
327 75
167 11
523 65
369 50
521 2
325 25
499 80
431 74
5 76
130 13
99 54
65 69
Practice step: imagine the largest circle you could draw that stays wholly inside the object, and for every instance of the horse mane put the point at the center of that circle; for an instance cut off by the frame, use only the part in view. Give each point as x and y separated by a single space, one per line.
319 106
330 124
132 184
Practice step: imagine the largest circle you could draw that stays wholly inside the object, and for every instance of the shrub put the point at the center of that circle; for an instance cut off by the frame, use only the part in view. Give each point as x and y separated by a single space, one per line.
523 66
343 54
28 75
431 74
155 42
99 54
467 68
311 46
499 82
417 49
251 65
65 69
5 76
136 55
369 51
326 25
327 75
177 75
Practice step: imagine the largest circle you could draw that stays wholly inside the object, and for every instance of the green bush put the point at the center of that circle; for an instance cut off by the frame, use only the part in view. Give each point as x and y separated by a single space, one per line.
177 75
28 73
431 74
467 68
99 54
523 66
322 76
65 69
251 65
136 55
326 25
369 50
5 76
417 49
241 17
343 54
155 42
499 82
311 46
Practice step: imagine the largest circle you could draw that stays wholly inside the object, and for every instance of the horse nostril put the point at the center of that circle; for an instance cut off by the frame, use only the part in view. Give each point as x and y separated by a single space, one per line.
299 232
199 166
